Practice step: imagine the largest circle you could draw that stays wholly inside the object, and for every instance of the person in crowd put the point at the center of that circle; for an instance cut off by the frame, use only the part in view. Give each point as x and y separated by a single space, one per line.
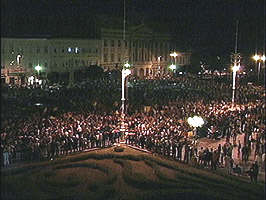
237 170
255 170
238 149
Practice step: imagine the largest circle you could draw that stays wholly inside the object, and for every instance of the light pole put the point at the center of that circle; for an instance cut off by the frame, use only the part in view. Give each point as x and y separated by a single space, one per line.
38 68
258 59
173 66
159 63
174 54
235 68
125 72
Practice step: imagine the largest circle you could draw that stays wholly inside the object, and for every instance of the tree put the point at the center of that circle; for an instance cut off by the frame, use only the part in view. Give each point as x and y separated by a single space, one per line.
94 72
53 77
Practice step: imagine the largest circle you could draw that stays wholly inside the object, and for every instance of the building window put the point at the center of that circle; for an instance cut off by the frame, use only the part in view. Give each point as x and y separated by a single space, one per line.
119 43
45 49
69 49
54 50
38 50
105 43
125 43
112 57
119 57
77 50
112 43
63 50
105 59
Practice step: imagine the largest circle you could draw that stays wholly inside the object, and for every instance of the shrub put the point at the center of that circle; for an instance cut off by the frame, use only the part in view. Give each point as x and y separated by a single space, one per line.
119 149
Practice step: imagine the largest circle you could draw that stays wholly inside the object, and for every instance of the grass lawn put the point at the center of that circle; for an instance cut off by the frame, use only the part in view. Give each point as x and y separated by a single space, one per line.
105 174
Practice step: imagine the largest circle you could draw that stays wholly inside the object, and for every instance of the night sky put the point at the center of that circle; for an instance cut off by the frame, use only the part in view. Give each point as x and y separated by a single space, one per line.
205 26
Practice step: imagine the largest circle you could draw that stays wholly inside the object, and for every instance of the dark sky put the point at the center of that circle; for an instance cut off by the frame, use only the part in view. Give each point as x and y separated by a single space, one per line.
207 26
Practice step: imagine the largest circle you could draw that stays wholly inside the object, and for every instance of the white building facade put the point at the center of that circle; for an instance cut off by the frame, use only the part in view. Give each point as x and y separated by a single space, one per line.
20 56
147 52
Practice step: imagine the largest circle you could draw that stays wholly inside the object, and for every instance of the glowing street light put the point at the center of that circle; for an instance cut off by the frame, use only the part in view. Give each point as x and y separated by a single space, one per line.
262 58
38 68
259 58
256 57
172 67
125 72
174 54
195 121
19 57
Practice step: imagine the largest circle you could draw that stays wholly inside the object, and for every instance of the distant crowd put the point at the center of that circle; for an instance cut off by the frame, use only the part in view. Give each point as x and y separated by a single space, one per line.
161 127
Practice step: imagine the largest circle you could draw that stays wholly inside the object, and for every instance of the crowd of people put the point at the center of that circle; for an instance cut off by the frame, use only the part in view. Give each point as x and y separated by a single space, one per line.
162 128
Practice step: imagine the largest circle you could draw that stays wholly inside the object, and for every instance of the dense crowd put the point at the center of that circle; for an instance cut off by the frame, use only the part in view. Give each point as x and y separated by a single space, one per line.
162 128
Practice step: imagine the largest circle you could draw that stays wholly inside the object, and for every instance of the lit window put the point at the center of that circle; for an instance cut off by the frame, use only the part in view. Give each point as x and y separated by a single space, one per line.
112 57
105 57
69 49
77 50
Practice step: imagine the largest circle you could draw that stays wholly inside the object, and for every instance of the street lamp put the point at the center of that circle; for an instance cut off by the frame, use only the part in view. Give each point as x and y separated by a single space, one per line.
174 54
259 58
38 68
195 122
125 72
173 67
235 68
159 67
